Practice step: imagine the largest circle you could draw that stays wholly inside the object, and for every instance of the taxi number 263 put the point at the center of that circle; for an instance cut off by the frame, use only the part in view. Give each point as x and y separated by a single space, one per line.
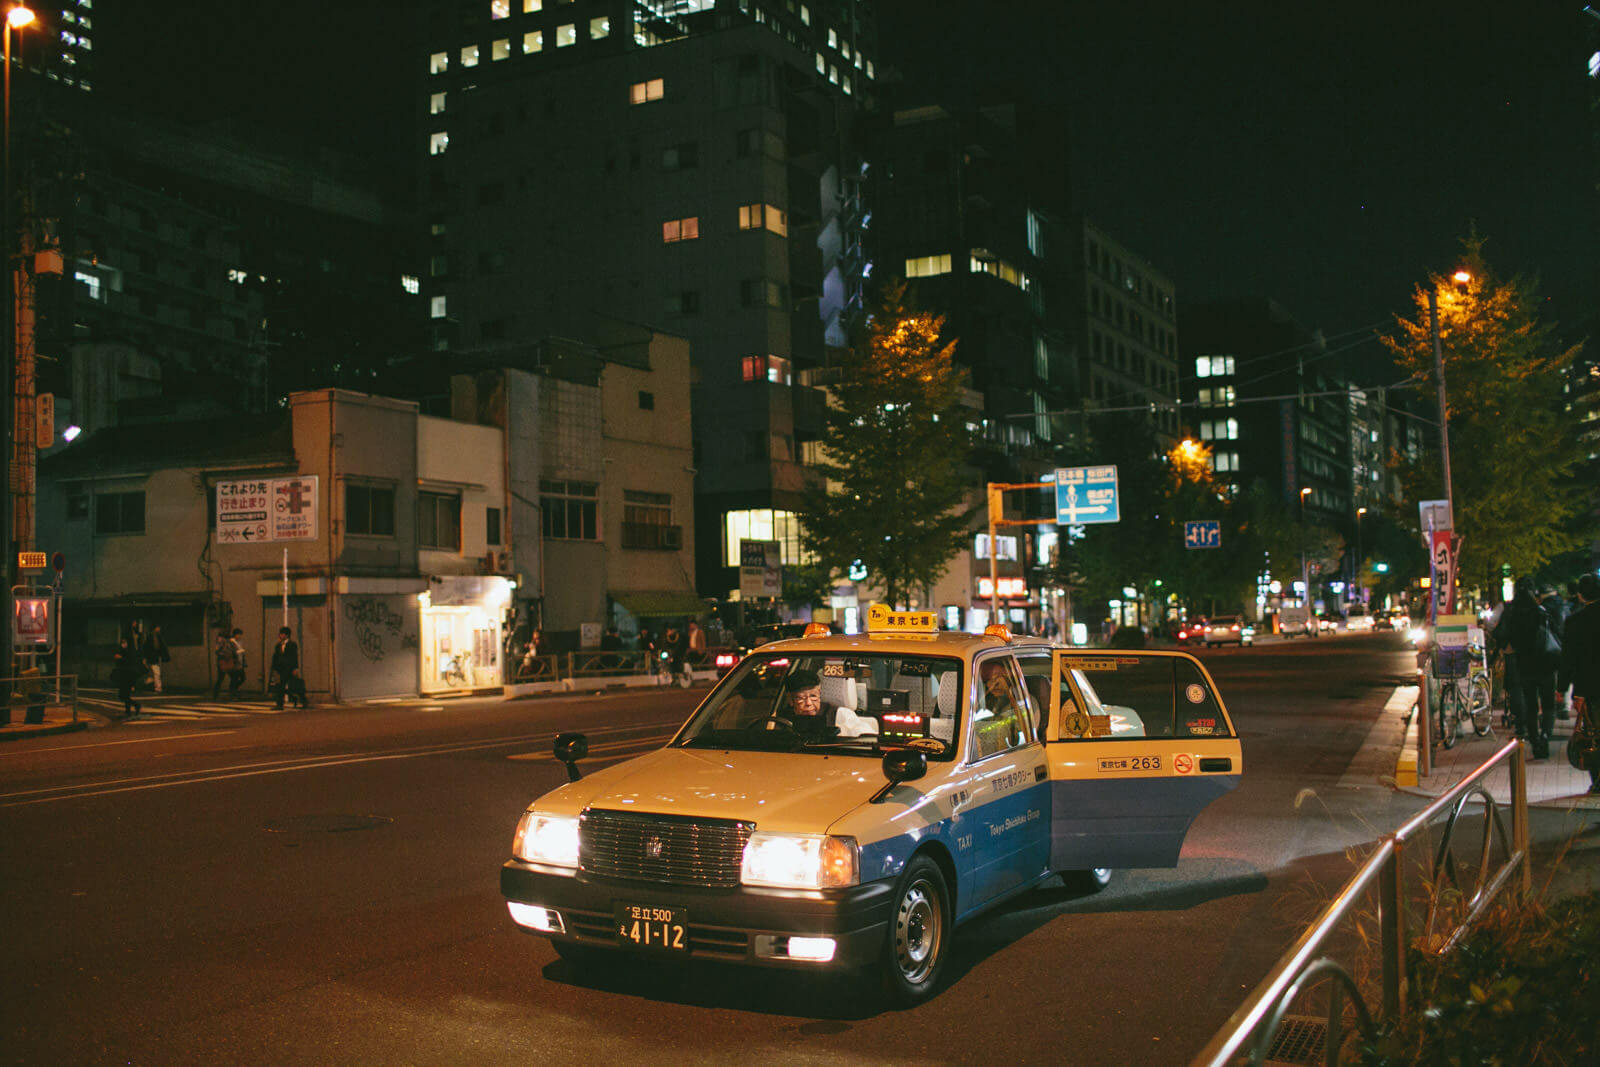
1130 763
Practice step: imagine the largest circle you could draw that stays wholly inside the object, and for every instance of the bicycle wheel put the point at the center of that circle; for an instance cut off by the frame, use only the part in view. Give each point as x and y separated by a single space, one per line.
1480 705
1449 715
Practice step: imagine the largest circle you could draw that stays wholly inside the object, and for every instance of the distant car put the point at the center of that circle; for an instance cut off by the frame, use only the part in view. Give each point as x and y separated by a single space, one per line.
1329 623
1358 619
1383 621
1228 629
1296 622
1188 632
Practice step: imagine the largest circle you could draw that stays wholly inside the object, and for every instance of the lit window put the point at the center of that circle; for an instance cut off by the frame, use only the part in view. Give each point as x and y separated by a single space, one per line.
501 49
533 42
822 64
530 6
680 229
436 308
778 371
566 35
644 92
844 49
928 266
411 284
753 368
437 143
982 262
858 60
805 14
870 72
438 63
763 524
1225 461
757 216
833 38
599 27
469 56
436 104
833 74
846 85
499 9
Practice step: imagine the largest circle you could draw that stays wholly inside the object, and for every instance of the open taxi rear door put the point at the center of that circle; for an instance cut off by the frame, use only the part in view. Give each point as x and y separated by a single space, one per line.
1138 744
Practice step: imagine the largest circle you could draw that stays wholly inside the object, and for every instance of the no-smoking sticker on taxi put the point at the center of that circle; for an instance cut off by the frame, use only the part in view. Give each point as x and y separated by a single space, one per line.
1183 763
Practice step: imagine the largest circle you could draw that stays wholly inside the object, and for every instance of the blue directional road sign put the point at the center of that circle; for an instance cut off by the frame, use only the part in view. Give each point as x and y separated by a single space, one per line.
1207 533
1086 494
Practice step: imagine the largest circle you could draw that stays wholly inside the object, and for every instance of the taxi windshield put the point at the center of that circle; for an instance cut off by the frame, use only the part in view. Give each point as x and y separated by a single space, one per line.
833 702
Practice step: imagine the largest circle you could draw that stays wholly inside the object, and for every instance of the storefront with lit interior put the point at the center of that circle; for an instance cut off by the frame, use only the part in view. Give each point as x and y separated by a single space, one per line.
463 620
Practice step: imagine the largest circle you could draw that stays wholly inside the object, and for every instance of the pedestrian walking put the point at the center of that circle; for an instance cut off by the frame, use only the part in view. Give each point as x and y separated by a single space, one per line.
127 668
155 654
1580 663
1529 631
286 679
236 675
1556 607
223 652
647 645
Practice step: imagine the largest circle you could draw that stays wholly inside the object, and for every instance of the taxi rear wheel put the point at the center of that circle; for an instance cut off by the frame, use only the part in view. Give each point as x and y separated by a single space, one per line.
919 932
1090 881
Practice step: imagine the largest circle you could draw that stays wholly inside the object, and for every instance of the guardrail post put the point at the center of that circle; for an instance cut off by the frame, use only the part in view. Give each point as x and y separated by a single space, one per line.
1392 932
1519 818
1424 723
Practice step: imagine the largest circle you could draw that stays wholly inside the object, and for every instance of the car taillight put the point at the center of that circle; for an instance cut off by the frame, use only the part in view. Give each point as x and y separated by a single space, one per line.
725 659
1235 627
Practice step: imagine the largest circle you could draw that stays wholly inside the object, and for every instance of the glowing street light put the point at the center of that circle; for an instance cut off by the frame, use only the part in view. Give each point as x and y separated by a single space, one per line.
1460 277
1305 576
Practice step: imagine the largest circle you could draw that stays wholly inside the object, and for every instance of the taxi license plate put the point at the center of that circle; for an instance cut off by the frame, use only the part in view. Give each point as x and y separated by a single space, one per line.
651 926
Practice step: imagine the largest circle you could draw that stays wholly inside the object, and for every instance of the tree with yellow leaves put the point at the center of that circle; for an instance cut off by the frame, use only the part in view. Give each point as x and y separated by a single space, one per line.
896 449
1512 449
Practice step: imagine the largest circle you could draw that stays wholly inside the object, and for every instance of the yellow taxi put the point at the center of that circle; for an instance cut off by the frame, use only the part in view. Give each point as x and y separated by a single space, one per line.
847 801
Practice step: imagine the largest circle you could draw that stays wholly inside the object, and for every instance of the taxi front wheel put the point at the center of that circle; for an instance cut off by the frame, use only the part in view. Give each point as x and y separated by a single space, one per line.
918 933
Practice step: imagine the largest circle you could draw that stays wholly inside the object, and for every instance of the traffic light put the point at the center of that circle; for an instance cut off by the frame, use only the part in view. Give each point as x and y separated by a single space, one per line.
1381 568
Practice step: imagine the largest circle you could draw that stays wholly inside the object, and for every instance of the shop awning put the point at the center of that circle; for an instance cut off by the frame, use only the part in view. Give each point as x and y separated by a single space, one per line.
654 603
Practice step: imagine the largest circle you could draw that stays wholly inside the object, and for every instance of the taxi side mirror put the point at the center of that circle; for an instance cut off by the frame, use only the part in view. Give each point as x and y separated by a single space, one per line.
569 749
901 765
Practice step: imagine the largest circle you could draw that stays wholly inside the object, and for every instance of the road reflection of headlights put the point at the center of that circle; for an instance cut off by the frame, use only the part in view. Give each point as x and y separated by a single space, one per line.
551 840
799 861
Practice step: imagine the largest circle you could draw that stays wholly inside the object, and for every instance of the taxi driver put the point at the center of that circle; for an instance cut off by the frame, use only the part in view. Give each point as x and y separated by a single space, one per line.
805 704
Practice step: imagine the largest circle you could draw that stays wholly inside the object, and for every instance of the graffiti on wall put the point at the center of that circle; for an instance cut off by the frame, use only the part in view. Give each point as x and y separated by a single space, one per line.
376 625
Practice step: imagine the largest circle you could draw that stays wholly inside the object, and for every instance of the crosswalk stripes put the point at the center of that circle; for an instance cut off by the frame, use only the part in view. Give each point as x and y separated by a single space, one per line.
151 711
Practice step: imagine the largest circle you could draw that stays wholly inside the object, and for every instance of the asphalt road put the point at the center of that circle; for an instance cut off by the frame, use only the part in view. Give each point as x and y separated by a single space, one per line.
322 888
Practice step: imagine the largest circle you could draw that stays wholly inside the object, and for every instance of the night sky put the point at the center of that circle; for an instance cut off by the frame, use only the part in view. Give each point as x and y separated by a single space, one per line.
1326 155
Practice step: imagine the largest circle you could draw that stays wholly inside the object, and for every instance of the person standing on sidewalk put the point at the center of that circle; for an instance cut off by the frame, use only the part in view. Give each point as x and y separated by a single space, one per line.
1529 630
223 652
1556 608
286 671
1580 661
155 653
236 675
127 668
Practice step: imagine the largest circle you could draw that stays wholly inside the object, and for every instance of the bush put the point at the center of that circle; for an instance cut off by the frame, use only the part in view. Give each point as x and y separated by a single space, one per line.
1519 989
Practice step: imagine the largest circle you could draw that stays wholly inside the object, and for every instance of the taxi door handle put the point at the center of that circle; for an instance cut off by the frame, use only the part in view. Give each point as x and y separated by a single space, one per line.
1039 773
1214 764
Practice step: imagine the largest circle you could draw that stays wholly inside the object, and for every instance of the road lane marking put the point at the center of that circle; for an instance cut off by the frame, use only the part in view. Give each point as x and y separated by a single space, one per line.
130 741
251 770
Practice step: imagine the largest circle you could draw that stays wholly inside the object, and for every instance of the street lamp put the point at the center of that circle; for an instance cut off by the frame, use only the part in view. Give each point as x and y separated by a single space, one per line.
1361 592
1460 277
17 17
1305 577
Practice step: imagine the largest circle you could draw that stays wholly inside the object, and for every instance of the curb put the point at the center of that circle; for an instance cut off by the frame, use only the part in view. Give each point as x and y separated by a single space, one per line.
1405 768
17 732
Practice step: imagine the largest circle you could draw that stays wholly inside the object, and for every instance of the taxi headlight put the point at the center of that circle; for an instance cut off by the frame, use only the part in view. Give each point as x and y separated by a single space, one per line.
800 861
548 839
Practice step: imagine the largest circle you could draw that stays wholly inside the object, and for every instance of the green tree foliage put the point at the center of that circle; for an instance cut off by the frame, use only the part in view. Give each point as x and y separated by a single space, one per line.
896 447
1512 452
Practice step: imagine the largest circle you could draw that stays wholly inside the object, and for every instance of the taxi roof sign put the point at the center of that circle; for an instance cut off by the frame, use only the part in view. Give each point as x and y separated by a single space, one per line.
882 620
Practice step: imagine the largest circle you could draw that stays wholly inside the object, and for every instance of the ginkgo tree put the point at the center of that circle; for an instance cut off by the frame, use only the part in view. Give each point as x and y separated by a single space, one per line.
895 455
1512 452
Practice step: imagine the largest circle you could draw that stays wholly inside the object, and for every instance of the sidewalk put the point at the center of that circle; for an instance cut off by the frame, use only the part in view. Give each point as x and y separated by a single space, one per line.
57 720
1552 783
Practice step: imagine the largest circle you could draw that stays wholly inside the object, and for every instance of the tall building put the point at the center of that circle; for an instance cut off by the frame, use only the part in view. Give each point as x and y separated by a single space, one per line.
678 163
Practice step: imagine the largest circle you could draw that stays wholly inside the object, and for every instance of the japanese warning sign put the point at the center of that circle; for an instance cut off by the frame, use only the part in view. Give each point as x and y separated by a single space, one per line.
267 509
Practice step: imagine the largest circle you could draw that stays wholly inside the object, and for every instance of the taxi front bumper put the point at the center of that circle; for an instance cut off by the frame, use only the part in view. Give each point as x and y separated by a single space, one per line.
743 924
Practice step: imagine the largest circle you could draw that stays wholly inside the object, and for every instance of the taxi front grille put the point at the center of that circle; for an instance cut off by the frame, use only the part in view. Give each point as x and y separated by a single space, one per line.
662 848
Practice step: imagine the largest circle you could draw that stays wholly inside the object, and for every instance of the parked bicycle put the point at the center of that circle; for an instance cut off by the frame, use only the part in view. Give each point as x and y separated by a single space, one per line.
458 671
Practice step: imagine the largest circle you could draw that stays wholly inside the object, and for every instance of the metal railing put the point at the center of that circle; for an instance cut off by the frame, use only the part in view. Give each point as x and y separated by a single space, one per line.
1250 1033
30 698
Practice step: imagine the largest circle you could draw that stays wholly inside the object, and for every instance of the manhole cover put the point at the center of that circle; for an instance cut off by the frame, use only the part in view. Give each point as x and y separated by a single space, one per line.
324 824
